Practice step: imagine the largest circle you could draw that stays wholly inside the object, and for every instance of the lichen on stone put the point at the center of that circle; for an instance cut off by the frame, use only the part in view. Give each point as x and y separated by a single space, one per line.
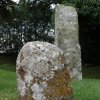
42 72
67 38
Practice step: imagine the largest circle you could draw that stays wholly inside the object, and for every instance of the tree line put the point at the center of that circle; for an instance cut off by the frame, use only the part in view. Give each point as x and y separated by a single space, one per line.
27 21
31 20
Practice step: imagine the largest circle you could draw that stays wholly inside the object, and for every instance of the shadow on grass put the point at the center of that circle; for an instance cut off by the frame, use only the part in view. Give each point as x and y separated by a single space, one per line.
91 72
8 63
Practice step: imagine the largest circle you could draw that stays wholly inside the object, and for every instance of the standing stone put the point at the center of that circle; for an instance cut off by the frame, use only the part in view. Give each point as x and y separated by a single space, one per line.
42 74
67 38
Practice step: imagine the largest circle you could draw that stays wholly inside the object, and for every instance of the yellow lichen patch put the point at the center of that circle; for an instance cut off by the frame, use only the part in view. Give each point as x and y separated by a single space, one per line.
59 86
29 93
61 58
22 98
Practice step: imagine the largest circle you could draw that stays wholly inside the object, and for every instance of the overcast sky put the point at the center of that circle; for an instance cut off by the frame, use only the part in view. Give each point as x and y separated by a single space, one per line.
16 1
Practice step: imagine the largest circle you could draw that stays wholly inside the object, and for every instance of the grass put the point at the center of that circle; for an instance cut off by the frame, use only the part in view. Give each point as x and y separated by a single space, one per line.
7 84
8 88
86 89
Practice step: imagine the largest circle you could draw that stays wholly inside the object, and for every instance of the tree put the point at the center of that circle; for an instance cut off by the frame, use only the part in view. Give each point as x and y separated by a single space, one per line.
30 21
6 7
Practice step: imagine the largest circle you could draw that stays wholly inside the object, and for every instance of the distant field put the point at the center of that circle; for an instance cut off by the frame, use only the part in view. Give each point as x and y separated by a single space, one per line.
87 89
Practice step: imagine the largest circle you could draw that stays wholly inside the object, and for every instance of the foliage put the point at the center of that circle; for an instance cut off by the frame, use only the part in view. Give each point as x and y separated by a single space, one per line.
88 11
6 8
31 21
38 15
88 8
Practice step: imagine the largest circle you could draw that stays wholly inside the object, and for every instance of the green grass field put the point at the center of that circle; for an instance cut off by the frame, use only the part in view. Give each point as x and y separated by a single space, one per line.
86 89
8 88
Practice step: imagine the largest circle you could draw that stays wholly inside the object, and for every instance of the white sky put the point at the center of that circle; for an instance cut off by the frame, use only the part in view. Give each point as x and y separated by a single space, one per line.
16 1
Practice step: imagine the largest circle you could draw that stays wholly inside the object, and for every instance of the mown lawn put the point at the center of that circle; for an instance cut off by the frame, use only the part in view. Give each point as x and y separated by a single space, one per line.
7 84
8 88
86 89
89 87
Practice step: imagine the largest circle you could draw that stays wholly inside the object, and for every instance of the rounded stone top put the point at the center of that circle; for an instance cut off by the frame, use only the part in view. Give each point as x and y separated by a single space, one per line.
39 59
41 73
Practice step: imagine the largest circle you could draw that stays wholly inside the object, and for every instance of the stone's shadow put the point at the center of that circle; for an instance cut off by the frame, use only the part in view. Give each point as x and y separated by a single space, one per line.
91 72
8 63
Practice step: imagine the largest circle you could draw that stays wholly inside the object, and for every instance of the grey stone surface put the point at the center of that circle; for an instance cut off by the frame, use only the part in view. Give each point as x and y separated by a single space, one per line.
67 38
41 73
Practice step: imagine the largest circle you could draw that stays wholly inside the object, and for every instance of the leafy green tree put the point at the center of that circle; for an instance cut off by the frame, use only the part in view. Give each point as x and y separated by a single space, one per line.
30 21
6 8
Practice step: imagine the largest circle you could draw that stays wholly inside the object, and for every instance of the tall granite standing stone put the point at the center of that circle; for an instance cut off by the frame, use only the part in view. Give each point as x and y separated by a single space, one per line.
67 38
42 74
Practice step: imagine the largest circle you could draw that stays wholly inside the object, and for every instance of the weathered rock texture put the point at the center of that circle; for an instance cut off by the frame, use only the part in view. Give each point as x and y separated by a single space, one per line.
66 37
41 73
